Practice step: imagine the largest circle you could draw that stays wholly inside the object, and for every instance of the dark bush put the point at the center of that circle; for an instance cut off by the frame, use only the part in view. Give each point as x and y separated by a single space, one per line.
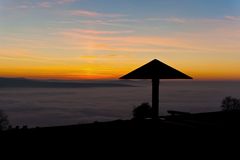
3 121
142 111
230 104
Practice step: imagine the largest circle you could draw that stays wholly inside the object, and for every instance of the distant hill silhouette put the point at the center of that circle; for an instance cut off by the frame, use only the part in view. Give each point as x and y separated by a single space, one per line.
29 83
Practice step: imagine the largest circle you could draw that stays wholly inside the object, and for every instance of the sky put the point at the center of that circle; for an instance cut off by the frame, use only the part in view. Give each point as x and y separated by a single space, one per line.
105 39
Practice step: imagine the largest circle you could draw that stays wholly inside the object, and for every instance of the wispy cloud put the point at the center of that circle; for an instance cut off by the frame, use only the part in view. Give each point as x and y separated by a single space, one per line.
233 18
44 4
64 1
85 13
21 56
48 3
95 32
101 57
88 13
168 19
6 52
37 4
208 36
101 40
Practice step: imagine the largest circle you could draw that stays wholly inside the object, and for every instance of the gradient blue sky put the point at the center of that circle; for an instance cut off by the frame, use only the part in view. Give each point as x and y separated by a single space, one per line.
76 39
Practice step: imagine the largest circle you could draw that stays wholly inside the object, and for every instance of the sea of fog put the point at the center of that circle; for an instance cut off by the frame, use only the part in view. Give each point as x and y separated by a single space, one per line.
63 106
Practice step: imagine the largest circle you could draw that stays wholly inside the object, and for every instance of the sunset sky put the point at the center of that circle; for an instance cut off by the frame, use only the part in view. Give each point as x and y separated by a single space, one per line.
104 39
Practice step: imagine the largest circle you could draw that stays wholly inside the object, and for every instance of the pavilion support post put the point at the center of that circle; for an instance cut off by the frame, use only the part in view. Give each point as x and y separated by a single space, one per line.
155 98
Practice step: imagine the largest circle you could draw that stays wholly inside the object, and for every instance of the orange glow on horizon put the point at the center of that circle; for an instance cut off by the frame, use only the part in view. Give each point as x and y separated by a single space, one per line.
91 66
103 77
95 73
84 73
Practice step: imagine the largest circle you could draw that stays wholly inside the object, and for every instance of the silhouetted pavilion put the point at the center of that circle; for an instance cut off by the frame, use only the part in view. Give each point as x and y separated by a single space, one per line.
155 70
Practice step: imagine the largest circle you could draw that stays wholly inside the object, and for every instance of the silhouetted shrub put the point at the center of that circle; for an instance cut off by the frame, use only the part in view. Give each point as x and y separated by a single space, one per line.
3 121
230 104
142 111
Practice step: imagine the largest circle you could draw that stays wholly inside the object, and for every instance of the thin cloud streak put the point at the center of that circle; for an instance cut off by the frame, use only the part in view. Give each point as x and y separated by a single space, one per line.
88 13
233 18
21 54
122 43
37 4
96 32
168 19
47 4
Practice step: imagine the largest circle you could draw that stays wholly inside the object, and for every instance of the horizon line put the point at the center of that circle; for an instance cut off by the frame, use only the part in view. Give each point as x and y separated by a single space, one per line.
110 79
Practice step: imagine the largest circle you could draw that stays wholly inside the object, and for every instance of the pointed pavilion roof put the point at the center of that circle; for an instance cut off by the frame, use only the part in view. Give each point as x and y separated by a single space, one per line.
156 70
